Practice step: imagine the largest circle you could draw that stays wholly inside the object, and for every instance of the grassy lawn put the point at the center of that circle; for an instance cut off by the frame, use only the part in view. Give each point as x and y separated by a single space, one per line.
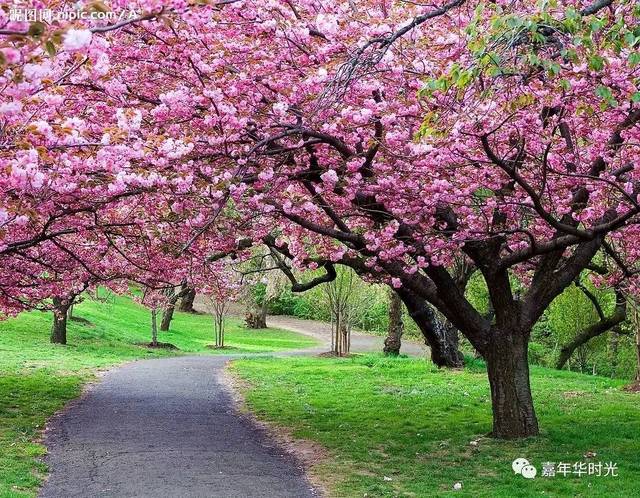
38 378
400 427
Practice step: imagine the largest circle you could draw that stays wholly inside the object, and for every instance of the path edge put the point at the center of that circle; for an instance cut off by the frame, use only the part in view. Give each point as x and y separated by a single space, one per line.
52 422
306 452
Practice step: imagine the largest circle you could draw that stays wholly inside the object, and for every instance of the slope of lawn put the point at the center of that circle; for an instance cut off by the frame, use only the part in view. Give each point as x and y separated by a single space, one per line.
38 378
401 428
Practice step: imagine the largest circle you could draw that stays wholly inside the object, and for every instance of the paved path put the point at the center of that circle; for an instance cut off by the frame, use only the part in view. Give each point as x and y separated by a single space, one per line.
360 341
165 428
168 428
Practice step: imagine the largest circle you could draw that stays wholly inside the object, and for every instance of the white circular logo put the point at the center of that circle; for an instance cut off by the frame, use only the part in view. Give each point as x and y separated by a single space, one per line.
518 464
524 468
529 472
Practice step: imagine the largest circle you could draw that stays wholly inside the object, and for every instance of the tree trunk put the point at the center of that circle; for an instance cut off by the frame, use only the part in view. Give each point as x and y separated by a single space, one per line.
154 327
256 318
167 316
393 340
59 327
186 304
508 369
345 339
443 343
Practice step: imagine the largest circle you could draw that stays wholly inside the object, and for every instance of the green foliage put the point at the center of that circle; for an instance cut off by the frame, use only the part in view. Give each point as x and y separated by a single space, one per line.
373 315
413 424
569 314
38 378
537 353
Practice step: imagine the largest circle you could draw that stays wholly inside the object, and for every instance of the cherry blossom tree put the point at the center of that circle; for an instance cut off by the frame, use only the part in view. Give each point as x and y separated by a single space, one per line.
223 287
393 138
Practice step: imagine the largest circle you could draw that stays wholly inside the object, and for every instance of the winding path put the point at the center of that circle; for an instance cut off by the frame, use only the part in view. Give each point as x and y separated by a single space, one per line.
165 428
169 428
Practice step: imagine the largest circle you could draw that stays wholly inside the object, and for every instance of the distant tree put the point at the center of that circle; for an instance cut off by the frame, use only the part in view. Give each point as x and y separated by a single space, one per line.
263 283
222 288
345 300
169 309
186 303
604 323
219 305
59 328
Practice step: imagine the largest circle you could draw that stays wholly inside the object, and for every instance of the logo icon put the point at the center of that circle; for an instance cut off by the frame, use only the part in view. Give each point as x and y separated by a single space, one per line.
524 468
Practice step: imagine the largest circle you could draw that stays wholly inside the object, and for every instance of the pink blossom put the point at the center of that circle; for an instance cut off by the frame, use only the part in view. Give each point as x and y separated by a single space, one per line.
76 39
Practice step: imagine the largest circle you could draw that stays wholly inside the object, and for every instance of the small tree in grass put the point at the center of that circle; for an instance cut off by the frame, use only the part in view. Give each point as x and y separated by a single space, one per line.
154 300
219 307
221 290
154 327
344 298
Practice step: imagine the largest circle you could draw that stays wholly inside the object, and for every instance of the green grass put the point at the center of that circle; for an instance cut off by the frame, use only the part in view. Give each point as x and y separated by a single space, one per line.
38 378
404 419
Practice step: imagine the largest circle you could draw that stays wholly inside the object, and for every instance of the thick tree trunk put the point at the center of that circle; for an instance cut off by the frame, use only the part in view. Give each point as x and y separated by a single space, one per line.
393 341
508 369
167 316
59 327
186 304
443 343
256 318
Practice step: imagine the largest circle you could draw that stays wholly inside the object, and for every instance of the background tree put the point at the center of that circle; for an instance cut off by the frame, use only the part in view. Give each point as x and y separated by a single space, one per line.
603 324
264 282
345 299
223 287
186 302
172 299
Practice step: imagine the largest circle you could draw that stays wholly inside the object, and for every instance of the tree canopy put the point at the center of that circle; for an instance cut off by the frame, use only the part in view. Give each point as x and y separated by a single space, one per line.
391 137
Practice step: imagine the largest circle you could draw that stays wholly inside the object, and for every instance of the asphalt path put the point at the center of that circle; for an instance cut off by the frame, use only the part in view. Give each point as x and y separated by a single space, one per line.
165 428
170 428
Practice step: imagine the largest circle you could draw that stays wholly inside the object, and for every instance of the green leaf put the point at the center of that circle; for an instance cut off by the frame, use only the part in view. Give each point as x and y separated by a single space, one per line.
596 63
553 68
36 29
604 92
50 47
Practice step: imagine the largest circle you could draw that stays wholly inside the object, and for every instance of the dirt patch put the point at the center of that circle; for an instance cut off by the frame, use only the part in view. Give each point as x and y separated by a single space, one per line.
225 348
333 354
633 388
161 345
308 453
